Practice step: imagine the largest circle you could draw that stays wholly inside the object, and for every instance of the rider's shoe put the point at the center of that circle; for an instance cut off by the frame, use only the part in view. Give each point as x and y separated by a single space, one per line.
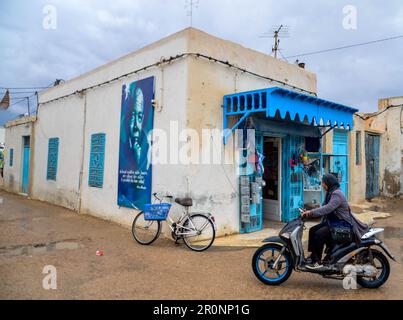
310 260
315 266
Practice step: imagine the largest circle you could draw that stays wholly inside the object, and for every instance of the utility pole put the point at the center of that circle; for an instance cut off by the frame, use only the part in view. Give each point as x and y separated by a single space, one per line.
190 5
276 41
277 32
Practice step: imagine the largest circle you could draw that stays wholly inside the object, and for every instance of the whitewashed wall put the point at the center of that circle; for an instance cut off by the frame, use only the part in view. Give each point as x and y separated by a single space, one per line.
190 91
14 140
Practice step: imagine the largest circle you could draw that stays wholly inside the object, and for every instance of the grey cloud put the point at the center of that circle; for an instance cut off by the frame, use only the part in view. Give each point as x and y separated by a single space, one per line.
91 33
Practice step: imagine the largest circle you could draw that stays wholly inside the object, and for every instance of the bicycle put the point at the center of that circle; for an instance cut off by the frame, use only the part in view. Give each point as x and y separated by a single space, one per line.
197 230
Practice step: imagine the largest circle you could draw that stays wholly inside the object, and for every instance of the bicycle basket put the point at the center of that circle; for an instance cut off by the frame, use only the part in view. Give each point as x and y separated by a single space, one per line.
156 212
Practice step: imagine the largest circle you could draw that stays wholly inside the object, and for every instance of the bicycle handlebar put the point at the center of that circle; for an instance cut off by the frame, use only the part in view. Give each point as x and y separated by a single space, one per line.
155 195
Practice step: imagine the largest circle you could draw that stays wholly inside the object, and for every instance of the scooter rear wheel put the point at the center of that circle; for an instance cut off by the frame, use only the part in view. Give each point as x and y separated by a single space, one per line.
262 263
382 264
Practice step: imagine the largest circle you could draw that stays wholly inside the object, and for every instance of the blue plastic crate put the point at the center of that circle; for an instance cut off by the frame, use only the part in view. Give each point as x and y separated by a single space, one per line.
156 212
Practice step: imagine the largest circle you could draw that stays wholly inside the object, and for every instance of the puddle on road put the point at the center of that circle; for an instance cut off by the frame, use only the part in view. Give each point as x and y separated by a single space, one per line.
40 248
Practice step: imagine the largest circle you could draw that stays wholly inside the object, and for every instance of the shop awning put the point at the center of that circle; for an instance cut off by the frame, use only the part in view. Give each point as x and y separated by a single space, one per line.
284 127
281 103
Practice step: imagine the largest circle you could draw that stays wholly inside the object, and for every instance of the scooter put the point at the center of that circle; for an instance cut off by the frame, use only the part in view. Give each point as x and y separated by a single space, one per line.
274 262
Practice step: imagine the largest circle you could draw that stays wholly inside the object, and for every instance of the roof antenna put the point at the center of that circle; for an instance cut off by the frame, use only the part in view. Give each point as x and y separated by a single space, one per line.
190 5
277 32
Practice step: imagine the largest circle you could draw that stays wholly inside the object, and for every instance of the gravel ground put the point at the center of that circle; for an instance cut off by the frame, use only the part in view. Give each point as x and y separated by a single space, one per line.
35 234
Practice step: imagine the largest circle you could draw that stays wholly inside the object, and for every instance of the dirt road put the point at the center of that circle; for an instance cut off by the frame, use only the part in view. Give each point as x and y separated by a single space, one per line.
34 235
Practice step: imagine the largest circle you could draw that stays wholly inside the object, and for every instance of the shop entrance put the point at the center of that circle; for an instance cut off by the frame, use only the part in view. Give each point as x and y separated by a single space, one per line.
272 179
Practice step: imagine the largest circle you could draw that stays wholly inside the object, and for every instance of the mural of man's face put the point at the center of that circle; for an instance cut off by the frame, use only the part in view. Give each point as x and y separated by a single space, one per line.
136 123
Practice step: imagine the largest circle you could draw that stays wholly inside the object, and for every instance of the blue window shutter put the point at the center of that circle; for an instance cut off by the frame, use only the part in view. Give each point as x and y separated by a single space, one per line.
97 159
53 154
11 157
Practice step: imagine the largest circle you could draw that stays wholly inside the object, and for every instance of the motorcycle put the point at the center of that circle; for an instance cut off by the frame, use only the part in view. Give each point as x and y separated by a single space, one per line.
274 262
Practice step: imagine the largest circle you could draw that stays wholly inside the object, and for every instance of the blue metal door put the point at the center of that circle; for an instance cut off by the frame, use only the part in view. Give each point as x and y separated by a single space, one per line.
25 164
340 158
372 149
292 178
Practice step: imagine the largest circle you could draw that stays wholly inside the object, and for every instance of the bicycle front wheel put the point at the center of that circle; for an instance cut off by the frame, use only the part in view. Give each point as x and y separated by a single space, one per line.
145 232
198 233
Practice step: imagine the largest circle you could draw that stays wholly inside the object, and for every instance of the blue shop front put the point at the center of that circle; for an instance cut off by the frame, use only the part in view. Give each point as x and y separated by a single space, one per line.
282 171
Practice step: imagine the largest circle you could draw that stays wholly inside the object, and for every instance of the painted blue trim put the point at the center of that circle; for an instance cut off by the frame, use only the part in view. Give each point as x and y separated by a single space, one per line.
97 160
292 196
340 158
278 101
25 164
227 134
53 155
11 161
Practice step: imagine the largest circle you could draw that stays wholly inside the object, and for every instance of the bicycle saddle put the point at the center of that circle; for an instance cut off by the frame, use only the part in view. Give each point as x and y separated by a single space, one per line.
184 202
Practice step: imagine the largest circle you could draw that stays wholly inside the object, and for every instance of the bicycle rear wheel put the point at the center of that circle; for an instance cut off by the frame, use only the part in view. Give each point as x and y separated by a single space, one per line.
201 233
145 232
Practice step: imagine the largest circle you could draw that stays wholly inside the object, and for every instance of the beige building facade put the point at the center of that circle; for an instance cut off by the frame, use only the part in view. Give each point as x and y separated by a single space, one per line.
193 72
377 170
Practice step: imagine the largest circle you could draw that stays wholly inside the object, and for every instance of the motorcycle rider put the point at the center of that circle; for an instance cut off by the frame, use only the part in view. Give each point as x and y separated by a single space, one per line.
335 208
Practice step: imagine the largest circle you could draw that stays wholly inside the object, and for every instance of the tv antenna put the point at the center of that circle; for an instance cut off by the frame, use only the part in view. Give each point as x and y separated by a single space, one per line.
277 32
190 5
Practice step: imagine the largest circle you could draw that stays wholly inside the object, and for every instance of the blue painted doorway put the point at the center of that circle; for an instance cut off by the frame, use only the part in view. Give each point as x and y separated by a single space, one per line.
340 158
372 150
292 178
25 164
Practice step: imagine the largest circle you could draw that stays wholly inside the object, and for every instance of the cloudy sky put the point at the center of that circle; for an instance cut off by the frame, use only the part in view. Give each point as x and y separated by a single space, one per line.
92 32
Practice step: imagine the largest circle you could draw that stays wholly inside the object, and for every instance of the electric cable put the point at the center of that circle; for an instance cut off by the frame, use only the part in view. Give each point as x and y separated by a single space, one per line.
175 58
372 115
345 47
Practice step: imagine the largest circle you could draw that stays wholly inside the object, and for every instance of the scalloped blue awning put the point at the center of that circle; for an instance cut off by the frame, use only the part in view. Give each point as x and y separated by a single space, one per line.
283 103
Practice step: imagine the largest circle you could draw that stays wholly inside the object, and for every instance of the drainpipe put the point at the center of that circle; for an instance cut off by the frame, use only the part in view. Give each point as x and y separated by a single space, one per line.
80 180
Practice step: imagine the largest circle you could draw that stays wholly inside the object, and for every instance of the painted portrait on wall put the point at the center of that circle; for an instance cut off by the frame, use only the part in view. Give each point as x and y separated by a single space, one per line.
135 169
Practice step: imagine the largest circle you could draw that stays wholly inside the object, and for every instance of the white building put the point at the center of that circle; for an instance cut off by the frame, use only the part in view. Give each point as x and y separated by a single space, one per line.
193 72
2 136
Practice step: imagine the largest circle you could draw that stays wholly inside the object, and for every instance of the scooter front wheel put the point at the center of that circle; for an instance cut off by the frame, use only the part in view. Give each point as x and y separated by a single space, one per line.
263 264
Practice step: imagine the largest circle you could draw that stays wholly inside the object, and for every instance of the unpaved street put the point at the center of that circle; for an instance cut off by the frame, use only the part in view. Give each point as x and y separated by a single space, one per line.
35 234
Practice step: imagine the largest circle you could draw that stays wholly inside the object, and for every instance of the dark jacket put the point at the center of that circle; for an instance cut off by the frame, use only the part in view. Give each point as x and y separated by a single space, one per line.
339 205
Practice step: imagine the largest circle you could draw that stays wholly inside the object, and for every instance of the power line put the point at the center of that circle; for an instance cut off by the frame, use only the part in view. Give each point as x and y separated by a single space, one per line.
175 58
20 92
285 58
33 89
22 99
345 47
372 115
24 88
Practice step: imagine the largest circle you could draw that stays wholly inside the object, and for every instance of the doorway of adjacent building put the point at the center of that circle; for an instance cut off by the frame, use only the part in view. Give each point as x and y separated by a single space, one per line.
372 149
272 178
25 164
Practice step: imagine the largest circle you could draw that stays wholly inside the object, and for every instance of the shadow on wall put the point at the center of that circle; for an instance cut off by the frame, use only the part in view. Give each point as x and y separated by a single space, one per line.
391 182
